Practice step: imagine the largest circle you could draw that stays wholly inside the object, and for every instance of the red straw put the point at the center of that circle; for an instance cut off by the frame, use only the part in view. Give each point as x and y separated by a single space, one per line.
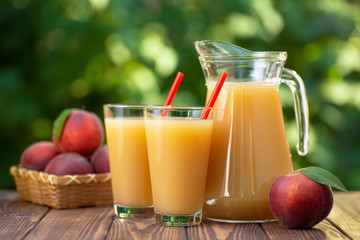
214 95
173 91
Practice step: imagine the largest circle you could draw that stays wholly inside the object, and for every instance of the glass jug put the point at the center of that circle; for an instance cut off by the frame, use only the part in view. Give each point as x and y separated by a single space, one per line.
249 146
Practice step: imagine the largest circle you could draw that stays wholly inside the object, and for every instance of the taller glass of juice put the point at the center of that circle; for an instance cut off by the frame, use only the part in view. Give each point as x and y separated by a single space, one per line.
129 167
249 147
178 145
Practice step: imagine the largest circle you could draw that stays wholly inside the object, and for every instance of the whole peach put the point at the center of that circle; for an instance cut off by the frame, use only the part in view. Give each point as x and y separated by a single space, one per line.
100 159
69 164
37 155
80 131
297 201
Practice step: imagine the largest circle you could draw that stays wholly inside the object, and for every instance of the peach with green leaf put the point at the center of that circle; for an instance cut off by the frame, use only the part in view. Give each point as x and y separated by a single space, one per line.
304 197
79 131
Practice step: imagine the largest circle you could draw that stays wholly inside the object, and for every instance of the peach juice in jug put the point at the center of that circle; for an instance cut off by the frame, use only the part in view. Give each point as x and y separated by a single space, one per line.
249 147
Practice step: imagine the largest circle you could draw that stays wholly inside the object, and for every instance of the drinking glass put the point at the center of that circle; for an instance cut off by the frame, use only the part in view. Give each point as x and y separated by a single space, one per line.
178 142
129 167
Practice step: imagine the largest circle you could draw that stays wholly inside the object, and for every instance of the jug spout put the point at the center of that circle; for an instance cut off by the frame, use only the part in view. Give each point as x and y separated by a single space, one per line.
218 48
211 48
241 64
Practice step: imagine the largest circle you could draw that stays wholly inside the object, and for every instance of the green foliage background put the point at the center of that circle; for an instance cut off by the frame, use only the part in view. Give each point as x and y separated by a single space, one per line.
85 53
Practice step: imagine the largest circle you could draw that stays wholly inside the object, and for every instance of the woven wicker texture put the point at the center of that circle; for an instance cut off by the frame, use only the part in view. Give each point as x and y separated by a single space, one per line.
70 191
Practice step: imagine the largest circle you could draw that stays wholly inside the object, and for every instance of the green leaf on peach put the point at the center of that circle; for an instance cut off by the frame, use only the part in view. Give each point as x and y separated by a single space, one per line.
323 176
60 121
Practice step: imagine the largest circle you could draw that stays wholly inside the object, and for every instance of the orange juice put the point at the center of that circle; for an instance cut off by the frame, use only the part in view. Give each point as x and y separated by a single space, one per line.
178 158
129 166
249 150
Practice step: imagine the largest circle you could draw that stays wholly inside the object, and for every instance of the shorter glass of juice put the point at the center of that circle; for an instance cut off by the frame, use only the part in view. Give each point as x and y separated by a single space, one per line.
178 143
129 166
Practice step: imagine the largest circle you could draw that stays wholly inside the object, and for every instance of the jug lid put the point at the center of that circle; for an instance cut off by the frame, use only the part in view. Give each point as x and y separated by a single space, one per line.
219 49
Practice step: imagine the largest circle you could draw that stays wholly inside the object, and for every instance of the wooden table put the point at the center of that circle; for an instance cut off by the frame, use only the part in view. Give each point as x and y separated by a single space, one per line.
22 220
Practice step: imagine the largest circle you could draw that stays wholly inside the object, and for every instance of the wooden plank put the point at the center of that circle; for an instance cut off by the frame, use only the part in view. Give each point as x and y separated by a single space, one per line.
78 223
18 218
143 228
216 230
323 230
22 220
346 213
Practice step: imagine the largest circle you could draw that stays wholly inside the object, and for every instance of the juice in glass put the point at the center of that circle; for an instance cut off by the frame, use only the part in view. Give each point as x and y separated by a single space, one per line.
178 149
129 166
249 150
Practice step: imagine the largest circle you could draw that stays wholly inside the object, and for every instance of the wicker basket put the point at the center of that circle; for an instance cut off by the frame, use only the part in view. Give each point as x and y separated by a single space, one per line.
70 191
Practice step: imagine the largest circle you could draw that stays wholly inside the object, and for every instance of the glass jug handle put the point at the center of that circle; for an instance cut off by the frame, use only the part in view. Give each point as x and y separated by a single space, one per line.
296 84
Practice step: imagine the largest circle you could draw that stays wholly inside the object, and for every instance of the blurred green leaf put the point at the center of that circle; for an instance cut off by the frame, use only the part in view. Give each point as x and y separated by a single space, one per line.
64 54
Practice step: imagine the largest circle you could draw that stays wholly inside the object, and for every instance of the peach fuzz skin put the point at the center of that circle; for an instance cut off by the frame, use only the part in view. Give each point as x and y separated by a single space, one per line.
299 202
100 160
69 164
82 133
38 155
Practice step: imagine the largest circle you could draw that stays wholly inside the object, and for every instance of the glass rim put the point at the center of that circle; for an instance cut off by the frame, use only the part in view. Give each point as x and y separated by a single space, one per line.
120 105
250 83
174 108
272 56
